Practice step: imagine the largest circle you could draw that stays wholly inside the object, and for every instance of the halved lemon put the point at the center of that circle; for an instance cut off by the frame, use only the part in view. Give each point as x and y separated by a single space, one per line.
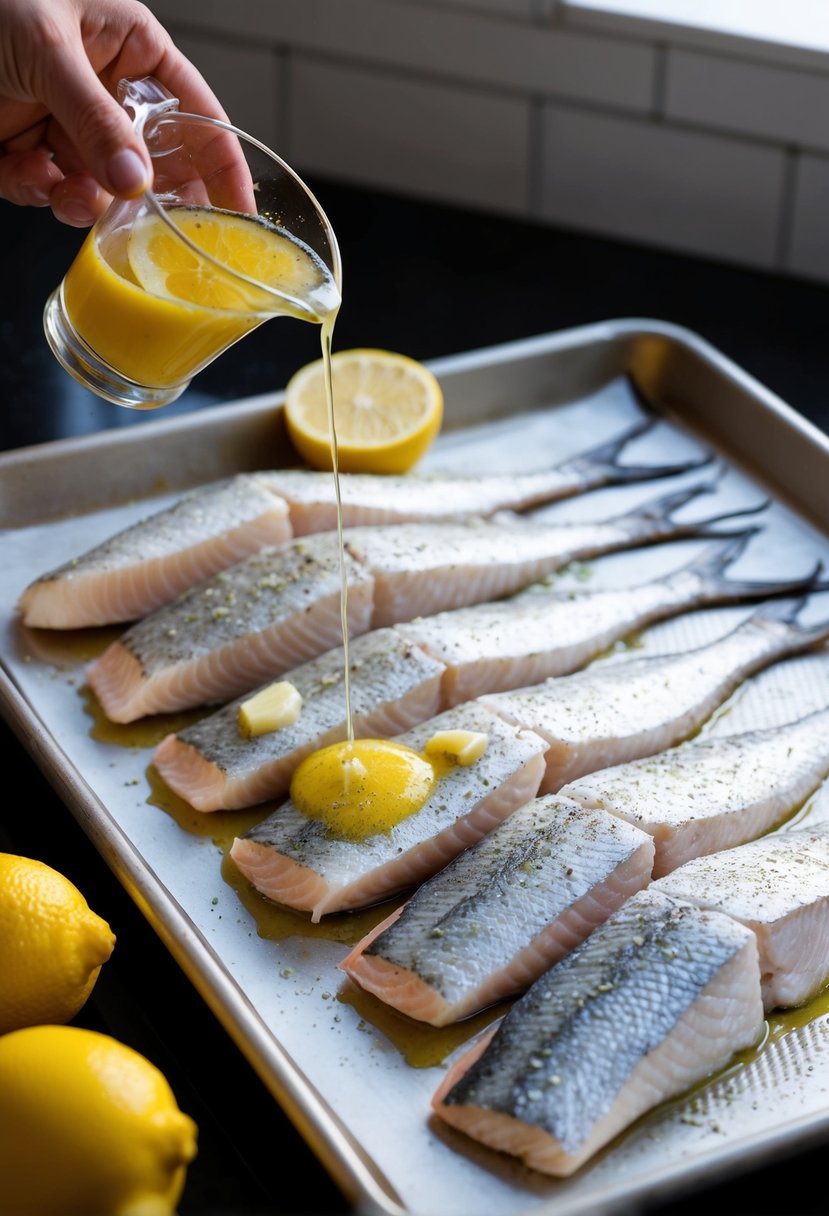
248 245
388 409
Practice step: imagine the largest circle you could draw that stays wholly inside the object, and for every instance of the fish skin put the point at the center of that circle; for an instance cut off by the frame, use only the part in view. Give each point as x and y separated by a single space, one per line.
542 632
609 714
506 909
226 636
214 768
233 632
778 886
393 686
296 862
411 498
713 792
661 996
151 562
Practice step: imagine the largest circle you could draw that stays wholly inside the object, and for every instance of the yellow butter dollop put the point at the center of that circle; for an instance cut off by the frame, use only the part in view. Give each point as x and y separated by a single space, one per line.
272 708
462 746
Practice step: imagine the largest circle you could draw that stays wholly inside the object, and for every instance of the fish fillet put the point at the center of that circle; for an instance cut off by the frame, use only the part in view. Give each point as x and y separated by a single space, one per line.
714 792
441 497
213 767
296 861
234 632
153 561
778 887
611 713
393 686
503 911
661 996
276 608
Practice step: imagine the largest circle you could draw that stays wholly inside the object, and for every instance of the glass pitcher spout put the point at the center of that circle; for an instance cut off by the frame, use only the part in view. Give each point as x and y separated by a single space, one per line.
145 98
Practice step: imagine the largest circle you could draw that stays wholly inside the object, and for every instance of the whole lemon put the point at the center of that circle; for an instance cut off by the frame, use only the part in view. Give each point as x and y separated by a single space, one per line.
52 945
90 1127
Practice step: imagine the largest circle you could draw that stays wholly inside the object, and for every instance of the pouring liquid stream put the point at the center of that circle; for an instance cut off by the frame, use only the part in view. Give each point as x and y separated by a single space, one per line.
357 787
326 333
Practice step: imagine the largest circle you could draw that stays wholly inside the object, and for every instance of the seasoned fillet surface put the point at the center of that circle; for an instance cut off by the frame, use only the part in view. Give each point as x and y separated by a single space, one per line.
240 628
777 886
421 568
659 996
393 685
287 852
713 792
505 909
154 560
367 499
612 713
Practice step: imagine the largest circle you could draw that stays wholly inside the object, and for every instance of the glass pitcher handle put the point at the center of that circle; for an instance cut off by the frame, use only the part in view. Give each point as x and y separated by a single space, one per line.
145 98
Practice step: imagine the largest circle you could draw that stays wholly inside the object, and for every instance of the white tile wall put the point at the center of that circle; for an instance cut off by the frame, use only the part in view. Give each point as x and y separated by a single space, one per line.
686 123
774 31
749 98
809 246
651 183
245 78
507 8
429 139
438 41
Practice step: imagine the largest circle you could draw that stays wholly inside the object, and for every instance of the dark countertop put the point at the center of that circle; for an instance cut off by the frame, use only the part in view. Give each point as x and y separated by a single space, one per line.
426 280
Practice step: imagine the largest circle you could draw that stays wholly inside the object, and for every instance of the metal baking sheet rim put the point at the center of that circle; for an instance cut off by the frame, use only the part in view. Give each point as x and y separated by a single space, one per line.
669 362
347 1162
338 1151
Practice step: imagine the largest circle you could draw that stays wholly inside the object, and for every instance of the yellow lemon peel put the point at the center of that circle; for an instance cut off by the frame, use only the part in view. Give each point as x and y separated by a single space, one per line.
100 1116
52 945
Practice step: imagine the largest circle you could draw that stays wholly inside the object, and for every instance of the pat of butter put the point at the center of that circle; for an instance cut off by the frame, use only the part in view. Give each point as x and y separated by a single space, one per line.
271 708
463 746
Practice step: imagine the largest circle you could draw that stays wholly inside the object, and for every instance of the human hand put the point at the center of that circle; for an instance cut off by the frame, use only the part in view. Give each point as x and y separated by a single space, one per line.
66 142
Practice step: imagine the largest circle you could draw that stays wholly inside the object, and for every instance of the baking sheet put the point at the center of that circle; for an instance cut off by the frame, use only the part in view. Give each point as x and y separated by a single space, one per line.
345 1071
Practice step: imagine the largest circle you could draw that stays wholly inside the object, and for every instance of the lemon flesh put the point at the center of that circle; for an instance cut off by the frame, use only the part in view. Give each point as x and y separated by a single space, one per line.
388 409
287 276
90 1127
52 945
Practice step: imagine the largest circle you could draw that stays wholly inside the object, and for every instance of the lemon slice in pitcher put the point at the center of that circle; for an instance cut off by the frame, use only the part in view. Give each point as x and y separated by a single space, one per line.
388 408
248 245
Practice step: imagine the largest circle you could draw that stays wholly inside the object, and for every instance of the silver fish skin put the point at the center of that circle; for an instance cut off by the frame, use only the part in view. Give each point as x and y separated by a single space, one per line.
298 862
152 561
278 607
428 568
611 713
411 498
393 685
233 632
541 632
506 909
713 792
213 767
149 563
778 886
659 997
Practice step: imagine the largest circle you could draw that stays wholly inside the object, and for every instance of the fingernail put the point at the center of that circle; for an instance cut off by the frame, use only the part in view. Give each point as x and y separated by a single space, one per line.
127 173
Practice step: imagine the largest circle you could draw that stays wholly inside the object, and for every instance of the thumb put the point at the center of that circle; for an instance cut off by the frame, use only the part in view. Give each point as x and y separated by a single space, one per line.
97 125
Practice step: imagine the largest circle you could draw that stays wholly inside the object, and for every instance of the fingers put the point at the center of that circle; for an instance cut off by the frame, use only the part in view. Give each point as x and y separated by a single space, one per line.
78 200
27 178
96 124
